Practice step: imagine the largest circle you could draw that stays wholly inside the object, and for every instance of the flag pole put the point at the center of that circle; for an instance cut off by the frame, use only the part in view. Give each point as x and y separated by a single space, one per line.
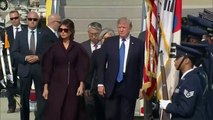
165 116
7 46
3 64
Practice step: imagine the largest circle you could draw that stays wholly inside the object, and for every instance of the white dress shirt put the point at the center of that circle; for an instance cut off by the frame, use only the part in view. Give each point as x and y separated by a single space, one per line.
92 45
14 30
29 35
127 42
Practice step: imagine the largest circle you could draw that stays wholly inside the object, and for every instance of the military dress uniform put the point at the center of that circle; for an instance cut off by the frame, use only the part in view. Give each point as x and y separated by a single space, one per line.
205 72
187 100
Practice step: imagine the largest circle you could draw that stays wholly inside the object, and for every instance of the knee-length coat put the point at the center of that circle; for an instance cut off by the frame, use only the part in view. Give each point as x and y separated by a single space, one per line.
62 70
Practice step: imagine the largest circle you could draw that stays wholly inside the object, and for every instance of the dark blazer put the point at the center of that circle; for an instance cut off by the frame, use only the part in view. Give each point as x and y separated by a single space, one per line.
48 38
21 49
92 80
87 47
109 66
11 41
11 35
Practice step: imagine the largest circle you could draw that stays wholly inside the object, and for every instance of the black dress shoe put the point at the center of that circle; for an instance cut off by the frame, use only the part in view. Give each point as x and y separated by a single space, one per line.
11 110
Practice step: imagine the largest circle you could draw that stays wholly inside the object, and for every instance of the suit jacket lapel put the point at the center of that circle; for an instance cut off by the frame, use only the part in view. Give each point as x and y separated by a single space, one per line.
88 47
38 37
38 40
131 49
22 27
48 30
25 40
10 34
116 49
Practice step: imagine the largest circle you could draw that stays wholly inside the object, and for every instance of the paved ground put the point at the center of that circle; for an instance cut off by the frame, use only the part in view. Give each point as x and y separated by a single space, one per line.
16 116
12 116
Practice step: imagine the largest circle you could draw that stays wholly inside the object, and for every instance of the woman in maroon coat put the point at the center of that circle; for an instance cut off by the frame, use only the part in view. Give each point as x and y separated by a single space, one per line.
65 66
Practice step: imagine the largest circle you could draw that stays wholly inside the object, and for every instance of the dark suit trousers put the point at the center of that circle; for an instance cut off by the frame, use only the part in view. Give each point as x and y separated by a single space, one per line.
148 112
26 83
99 106
118 106
90 107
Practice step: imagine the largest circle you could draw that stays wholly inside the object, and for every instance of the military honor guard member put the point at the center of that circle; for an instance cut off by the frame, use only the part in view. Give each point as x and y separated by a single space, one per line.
187 100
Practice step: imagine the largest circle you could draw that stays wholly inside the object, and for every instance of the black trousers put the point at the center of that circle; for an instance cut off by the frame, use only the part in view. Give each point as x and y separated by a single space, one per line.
99 107
148 112
26 83
95 106
119 107
90 107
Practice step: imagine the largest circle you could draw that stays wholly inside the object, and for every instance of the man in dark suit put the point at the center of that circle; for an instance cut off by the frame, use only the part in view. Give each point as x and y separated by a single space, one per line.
94 42
120 72
26 51
50 32
90 45
12 31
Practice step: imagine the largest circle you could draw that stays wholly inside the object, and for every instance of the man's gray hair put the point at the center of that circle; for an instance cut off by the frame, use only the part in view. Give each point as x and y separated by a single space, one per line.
95 25
105 31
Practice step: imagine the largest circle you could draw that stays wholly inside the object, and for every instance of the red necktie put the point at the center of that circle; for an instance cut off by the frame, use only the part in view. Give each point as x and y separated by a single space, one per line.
96 46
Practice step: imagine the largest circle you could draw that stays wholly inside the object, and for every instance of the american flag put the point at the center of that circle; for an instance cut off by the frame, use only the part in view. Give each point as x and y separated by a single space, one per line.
151 47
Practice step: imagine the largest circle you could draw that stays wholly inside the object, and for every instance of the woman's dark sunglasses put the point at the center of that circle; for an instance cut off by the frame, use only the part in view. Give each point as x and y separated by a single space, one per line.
14 18
32 19
62 29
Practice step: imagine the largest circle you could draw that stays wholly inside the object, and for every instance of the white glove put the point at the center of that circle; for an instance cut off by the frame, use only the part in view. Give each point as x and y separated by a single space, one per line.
2 83
10 78
164 103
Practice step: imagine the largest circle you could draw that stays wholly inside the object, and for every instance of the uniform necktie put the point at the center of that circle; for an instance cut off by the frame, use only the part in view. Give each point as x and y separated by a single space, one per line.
121 64
32 43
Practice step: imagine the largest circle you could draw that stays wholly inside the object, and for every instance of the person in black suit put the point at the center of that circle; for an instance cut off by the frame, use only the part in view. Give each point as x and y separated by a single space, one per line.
49 32
90 45
94 42
26 51
12 31
92 77
120 72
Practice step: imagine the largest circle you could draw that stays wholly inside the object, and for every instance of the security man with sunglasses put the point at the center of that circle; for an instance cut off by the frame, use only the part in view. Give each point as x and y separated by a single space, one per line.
186 102
27 52
12 31
49 32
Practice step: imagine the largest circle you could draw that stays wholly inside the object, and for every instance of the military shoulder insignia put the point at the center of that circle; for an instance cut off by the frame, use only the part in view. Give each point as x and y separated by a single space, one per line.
188 94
